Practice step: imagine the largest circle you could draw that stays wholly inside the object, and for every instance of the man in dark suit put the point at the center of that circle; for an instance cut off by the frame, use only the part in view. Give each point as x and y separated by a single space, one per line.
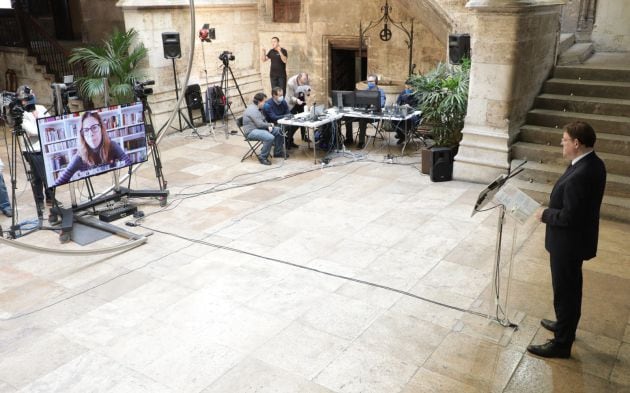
572 220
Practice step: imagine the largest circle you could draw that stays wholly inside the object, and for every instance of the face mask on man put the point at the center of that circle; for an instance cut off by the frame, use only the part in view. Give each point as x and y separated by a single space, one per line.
371 85
279 99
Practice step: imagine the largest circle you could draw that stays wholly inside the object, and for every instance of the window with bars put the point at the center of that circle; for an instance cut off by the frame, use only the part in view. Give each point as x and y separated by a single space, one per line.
286 11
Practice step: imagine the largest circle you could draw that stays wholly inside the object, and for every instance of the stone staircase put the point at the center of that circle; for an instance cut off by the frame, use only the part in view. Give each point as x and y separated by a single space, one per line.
29 72
598 94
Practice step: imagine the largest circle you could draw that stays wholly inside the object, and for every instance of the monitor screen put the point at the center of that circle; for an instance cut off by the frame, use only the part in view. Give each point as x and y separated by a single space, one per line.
343 98
368 99
83 144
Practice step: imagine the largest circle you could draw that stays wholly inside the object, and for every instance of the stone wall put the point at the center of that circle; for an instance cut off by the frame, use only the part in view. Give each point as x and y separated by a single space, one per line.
244 27
324 23
99 18
612 26
570 15
235 27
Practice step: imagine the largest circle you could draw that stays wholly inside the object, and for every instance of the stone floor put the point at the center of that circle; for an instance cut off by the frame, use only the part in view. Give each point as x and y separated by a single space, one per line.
358 276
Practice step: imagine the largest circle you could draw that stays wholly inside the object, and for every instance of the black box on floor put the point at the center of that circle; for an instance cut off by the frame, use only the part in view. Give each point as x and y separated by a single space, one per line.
441 164
117 212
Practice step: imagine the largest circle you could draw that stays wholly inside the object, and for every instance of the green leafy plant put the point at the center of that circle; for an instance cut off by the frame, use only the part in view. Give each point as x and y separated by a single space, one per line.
116 60
443 99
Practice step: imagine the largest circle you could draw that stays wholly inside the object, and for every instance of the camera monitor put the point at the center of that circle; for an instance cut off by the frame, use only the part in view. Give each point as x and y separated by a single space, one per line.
368 99
343 98
84 144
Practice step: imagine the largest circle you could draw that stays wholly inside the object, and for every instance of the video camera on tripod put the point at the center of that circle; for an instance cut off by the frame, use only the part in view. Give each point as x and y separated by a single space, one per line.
140 89
63 92
226 57
13 109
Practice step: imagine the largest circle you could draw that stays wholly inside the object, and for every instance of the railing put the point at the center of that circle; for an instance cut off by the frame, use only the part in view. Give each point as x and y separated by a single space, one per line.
18 29
48 51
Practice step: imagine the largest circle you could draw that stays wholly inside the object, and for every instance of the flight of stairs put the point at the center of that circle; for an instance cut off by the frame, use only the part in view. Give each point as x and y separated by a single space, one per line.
598 95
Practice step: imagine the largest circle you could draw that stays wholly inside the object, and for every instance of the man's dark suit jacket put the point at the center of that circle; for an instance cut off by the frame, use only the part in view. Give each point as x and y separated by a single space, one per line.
572 217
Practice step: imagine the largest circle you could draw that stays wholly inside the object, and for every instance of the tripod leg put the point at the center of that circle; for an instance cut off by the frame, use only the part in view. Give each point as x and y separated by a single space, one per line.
194 130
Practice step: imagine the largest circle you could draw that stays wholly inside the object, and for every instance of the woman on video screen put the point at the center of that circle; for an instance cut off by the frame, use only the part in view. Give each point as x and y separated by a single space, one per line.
95 149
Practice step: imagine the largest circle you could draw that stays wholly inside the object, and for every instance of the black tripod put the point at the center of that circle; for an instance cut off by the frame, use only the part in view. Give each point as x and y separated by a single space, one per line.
179 111
151 136
24 152
226 90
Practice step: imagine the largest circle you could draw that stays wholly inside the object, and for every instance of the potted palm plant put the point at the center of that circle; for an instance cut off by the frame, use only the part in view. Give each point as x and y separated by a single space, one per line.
443 99
116 61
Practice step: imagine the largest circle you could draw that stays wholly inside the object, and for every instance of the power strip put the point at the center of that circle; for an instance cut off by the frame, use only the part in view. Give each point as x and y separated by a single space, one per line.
117 212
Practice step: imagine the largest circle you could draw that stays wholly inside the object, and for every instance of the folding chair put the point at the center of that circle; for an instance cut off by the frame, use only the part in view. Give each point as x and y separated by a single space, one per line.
253 145
417 132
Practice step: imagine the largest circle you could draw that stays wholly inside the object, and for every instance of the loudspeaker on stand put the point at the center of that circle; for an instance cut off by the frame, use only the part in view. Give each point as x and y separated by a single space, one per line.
172 50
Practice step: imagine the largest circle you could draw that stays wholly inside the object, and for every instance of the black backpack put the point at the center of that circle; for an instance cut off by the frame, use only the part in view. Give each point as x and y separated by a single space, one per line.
215 103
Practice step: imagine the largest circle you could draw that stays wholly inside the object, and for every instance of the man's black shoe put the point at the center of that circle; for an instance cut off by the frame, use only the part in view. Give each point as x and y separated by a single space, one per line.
348 142
360 145
548 324
264 161
292 144
7 212
551 349
281 155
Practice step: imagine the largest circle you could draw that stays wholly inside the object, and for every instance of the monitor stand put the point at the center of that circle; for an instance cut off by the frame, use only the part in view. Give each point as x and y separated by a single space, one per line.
68 215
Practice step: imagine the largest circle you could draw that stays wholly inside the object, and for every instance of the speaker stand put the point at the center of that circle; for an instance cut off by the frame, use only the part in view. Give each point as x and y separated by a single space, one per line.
179 111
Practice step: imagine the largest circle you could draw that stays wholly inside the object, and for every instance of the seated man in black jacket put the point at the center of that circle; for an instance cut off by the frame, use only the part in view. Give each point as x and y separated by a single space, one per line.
409 99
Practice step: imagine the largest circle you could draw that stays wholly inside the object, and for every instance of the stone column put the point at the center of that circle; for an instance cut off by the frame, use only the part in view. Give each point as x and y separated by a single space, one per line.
586 19
513 46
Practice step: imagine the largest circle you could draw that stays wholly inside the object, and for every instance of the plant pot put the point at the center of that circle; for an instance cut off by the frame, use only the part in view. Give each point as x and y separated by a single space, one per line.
426 159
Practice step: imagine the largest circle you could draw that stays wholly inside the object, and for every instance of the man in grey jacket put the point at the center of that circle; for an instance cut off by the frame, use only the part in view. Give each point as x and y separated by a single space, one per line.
256 128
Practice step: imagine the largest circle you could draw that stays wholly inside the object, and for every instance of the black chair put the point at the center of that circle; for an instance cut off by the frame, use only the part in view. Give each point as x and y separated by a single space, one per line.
194 100
253 145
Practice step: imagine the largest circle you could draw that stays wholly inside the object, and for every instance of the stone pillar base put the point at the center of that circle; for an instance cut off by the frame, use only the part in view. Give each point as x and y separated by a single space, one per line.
483 154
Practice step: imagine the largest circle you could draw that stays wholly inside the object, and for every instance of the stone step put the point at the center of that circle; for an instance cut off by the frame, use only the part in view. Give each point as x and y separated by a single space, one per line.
577 53
601 123
566 41
587 88
552 155
613 208
598 73
606 143
594 105
534 172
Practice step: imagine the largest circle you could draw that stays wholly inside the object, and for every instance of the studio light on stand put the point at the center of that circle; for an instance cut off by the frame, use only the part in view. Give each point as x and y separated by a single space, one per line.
207 34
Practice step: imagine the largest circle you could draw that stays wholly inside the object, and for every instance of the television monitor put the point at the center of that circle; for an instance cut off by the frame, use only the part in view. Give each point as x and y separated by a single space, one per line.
78 145
343 98
367 99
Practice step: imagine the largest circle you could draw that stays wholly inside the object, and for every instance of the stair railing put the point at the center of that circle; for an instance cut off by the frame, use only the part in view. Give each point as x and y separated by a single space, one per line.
46 48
